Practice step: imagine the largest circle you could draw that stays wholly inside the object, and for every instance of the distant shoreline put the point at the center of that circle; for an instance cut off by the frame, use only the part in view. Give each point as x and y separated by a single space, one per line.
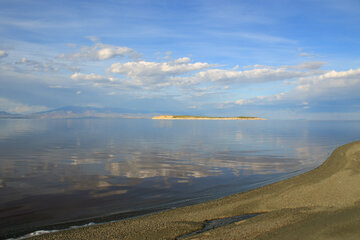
186 117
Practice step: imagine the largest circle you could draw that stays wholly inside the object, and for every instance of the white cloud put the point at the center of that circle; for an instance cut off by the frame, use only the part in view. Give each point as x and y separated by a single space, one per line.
156 74
33 65
249 76
243 101
330 81
255 66
142 75
192 79
100 51
91 77
260 73
11 106
330 86
182 60
97 80
198 79
109 52
143 68
93 39
266 38
30 65
304 54
300 66
57 86
249 101
308 65
3 54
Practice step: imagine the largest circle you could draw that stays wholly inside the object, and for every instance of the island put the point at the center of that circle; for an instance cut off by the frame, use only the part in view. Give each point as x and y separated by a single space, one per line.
189 117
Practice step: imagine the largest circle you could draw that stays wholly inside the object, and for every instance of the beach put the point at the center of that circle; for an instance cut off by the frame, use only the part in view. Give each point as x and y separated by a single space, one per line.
320 204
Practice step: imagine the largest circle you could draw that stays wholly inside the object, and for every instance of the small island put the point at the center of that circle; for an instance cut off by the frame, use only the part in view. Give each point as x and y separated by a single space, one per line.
189 117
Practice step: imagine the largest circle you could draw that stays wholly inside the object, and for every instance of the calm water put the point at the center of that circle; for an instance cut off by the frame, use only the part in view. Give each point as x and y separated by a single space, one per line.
55 171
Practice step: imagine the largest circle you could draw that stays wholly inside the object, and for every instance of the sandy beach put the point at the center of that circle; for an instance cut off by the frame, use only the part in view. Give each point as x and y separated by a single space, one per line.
321 204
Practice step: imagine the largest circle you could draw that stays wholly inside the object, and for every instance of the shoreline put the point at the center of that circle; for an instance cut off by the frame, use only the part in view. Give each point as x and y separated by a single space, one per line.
185 117
318 204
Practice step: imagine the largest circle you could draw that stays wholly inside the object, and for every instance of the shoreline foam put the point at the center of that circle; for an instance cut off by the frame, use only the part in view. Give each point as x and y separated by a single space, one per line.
319 204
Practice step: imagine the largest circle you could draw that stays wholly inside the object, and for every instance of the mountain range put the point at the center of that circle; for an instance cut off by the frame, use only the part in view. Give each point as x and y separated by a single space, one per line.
78 112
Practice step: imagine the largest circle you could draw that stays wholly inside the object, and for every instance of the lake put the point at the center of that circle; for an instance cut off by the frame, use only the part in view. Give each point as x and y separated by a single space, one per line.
75 171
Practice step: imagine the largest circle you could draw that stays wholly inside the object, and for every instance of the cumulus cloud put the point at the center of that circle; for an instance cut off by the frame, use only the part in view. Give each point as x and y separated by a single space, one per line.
237 77
198 79
159 73
143 68
142 75
3 54
105 81
173 73
11 106
100 51
182 60
330 81
91 77
188 76
330 86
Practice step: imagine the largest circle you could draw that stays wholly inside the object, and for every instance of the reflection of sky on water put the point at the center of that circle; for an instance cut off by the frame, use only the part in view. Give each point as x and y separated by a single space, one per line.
144 162
71 151
11 128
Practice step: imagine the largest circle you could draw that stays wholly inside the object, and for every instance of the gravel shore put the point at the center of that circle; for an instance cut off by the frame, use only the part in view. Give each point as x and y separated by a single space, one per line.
321 204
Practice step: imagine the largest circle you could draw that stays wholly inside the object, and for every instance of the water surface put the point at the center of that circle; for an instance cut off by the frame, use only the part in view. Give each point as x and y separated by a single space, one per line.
56 171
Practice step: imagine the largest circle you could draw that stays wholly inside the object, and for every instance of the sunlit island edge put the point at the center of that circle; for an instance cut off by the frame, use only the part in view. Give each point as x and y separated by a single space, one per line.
189 117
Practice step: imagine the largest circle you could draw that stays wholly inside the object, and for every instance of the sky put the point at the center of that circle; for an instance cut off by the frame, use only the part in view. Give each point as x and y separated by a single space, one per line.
280 59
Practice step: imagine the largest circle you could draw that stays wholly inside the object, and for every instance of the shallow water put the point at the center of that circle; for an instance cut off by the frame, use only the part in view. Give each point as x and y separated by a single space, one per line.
54 171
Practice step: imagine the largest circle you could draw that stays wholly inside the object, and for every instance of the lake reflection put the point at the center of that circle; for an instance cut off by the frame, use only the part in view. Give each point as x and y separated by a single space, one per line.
55 171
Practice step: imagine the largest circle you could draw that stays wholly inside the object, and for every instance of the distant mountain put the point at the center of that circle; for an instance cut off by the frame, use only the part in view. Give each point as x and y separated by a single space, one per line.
7 115
73 109
83 112
87 112
79 109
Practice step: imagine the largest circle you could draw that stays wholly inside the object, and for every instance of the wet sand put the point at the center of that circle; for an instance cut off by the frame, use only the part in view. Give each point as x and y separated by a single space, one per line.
321 204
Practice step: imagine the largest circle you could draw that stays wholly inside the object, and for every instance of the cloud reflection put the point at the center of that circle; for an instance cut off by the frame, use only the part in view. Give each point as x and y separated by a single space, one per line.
99 166
71 162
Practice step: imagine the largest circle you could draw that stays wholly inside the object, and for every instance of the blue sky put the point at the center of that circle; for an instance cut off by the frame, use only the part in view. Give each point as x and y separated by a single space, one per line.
275 59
